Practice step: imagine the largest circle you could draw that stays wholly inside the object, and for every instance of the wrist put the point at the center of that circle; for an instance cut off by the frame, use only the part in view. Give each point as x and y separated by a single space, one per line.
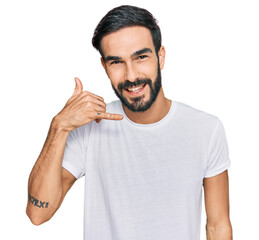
58 125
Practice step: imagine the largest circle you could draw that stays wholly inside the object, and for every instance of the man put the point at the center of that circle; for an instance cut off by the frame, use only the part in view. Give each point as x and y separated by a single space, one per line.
146 159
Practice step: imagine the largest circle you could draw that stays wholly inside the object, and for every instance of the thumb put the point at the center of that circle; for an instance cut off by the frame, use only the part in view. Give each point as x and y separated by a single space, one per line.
78 88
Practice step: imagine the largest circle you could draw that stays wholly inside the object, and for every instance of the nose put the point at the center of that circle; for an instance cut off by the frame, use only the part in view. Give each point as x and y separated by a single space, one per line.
131 73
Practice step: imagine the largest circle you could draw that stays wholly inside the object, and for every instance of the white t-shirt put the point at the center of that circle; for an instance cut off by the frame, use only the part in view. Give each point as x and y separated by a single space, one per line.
144 181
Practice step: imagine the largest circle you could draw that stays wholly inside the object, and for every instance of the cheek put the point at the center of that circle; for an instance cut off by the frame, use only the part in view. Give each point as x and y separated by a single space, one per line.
148 70
115 76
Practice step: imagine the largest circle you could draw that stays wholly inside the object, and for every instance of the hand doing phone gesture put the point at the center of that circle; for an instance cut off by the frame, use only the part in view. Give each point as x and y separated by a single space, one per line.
82 108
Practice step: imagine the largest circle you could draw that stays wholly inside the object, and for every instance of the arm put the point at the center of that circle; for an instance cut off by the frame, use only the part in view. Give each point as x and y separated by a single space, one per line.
48 181
216 192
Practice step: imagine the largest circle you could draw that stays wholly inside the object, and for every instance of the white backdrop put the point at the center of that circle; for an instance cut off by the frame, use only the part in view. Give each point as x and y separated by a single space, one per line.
212 64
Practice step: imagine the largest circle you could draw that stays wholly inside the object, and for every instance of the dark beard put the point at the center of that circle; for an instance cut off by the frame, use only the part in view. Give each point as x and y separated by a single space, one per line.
138 104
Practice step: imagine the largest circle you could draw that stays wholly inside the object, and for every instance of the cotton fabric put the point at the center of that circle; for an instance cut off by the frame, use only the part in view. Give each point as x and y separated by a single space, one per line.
144 181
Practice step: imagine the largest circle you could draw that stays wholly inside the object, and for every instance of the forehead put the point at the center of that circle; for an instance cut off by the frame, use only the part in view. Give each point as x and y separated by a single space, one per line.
127 41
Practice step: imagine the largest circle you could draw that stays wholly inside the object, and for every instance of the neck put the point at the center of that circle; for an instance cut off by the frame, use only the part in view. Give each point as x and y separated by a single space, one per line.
155 113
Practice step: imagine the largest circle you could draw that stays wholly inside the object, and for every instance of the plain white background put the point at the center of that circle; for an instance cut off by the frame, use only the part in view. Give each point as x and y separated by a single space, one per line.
212 64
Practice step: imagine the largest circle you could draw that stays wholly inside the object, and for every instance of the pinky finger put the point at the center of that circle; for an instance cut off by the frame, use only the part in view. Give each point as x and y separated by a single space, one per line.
109 116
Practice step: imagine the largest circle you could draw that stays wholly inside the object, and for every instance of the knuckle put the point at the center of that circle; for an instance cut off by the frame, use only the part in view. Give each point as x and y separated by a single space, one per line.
100 98
84 93
87 104
102 108
102 104
88 97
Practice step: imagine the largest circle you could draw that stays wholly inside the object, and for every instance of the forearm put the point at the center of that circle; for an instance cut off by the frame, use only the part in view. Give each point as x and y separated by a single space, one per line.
219 232
45 181
46 189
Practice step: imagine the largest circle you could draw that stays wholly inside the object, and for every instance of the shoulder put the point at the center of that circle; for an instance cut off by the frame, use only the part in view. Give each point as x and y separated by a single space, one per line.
195 117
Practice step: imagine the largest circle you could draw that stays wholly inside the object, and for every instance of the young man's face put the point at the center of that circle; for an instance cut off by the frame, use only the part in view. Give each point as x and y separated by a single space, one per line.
132 65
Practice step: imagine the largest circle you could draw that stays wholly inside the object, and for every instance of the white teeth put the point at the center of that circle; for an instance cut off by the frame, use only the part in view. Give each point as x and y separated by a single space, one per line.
136 89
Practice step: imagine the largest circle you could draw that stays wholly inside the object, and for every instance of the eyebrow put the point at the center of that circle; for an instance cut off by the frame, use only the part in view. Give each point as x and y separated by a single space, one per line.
111 58
139 52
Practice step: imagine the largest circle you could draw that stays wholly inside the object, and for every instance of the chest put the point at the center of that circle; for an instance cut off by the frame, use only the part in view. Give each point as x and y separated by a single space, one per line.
146 158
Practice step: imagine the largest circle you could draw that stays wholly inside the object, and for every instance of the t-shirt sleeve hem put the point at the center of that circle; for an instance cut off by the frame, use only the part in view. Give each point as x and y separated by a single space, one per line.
215 172
72 170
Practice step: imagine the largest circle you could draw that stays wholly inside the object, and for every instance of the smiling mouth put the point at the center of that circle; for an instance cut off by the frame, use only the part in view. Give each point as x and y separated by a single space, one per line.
136 89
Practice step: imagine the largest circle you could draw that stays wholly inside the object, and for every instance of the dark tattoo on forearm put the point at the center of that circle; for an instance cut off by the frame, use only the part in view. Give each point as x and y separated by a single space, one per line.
38 203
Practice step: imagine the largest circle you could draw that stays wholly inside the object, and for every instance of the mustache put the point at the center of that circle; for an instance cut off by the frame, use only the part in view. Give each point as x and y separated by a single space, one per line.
138 81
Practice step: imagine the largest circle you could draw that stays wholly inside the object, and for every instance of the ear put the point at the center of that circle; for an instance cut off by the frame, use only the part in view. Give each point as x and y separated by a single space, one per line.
161 56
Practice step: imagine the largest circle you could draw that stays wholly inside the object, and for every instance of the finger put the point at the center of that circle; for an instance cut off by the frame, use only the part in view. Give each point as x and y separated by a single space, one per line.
86 93
96 108
79 87
88 97
108 116
99 108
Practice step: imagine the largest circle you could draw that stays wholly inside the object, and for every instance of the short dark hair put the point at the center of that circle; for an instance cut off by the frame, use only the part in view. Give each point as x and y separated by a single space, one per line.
126 16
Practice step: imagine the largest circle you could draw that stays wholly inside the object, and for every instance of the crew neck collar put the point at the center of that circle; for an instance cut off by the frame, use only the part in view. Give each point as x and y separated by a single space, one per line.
159 123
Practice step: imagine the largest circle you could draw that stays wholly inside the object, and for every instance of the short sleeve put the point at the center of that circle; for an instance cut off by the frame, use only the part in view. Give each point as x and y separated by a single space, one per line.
75 151
218 154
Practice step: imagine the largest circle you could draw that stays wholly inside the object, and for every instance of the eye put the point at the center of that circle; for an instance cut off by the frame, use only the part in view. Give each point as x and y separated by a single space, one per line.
115 62
142 56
